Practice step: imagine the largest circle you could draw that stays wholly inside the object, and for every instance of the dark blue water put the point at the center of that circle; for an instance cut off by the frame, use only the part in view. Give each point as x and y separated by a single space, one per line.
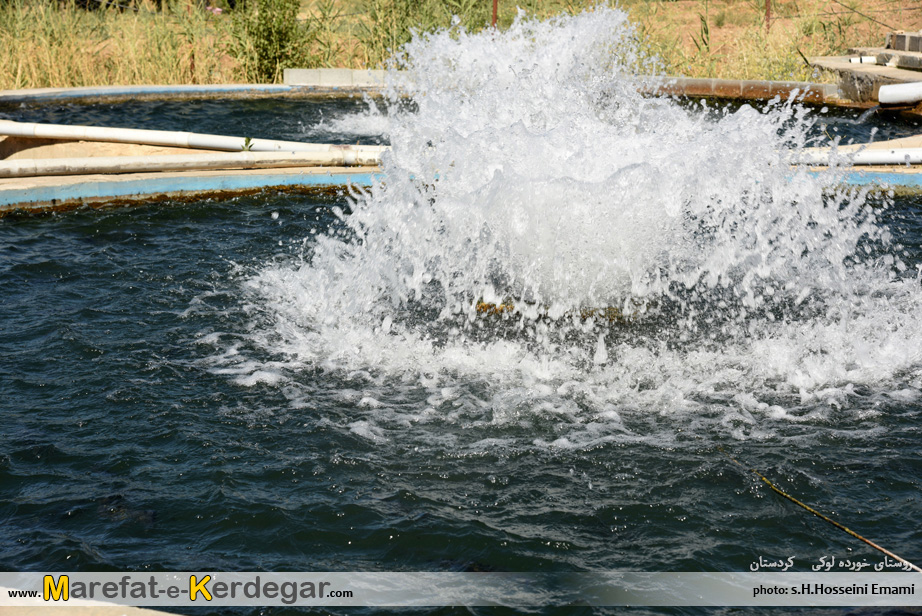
129 440
260 118
310 119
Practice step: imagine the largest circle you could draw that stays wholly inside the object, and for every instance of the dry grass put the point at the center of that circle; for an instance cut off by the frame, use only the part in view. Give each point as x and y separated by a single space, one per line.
46 44
728 38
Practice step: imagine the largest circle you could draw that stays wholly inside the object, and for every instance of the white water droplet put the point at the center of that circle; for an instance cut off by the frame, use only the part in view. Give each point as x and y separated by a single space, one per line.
601 353
534 176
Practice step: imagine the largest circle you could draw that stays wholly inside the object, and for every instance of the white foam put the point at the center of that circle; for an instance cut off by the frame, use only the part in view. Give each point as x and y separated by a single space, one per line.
532 170
366 123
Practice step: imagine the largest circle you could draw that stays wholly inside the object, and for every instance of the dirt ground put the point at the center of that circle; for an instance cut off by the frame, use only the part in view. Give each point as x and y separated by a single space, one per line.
718 38
729 38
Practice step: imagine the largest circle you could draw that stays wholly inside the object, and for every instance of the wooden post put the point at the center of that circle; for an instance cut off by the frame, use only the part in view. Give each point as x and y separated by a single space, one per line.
494 12
768 15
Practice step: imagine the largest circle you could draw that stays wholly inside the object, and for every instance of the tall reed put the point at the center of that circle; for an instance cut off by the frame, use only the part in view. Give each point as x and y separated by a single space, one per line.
730 39
54 43
45 44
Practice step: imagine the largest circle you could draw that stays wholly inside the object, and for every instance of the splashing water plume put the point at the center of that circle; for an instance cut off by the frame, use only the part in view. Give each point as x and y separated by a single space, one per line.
529 170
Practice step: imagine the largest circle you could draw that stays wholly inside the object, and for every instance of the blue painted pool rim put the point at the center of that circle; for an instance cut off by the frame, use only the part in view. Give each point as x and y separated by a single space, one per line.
98 191
82 191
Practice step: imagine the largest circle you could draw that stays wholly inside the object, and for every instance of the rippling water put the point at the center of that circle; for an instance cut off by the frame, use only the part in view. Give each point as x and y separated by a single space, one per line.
284 382
340 120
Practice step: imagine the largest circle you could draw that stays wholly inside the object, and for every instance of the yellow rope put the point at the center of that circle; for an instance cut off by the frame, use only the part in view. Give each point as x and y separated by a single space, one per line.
820 515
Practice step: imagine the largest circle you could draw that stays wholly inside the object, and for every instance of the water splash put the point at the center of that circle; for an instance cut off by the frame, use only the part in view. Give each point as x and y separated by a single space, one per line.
530 170
369 122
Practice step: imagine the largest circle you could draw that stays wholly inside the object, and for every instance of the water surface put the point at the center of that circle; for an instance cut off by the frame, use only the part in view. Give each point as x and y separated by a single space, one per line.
303 382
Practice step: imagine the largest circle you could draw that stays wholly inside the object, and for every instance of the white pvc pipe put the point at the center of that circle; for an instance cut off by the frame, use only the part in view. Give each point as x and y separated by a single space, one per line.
30 167
165 138
900 94
868 156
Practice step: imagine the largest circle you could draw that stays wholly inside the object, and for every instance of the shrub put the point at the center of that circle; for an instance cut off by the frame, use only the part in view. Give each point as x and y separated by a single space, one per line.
268 38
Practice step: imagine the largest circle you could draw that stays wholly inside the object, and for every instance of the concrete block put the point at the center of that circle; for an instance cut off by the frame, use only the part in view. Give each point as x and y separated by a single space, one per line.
756 89
831 91
333 77
727 88
336 77
808 91
369 78
301 76
681 86
665 89
911 60
904 41
318 77
816 96
696 86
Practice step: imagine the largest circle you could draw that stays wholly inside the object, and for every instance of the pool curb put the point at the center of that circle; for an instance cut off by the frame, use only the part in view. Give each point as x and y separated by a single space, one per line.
156 92
50 194
39 195
747 89
36 195
341 83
